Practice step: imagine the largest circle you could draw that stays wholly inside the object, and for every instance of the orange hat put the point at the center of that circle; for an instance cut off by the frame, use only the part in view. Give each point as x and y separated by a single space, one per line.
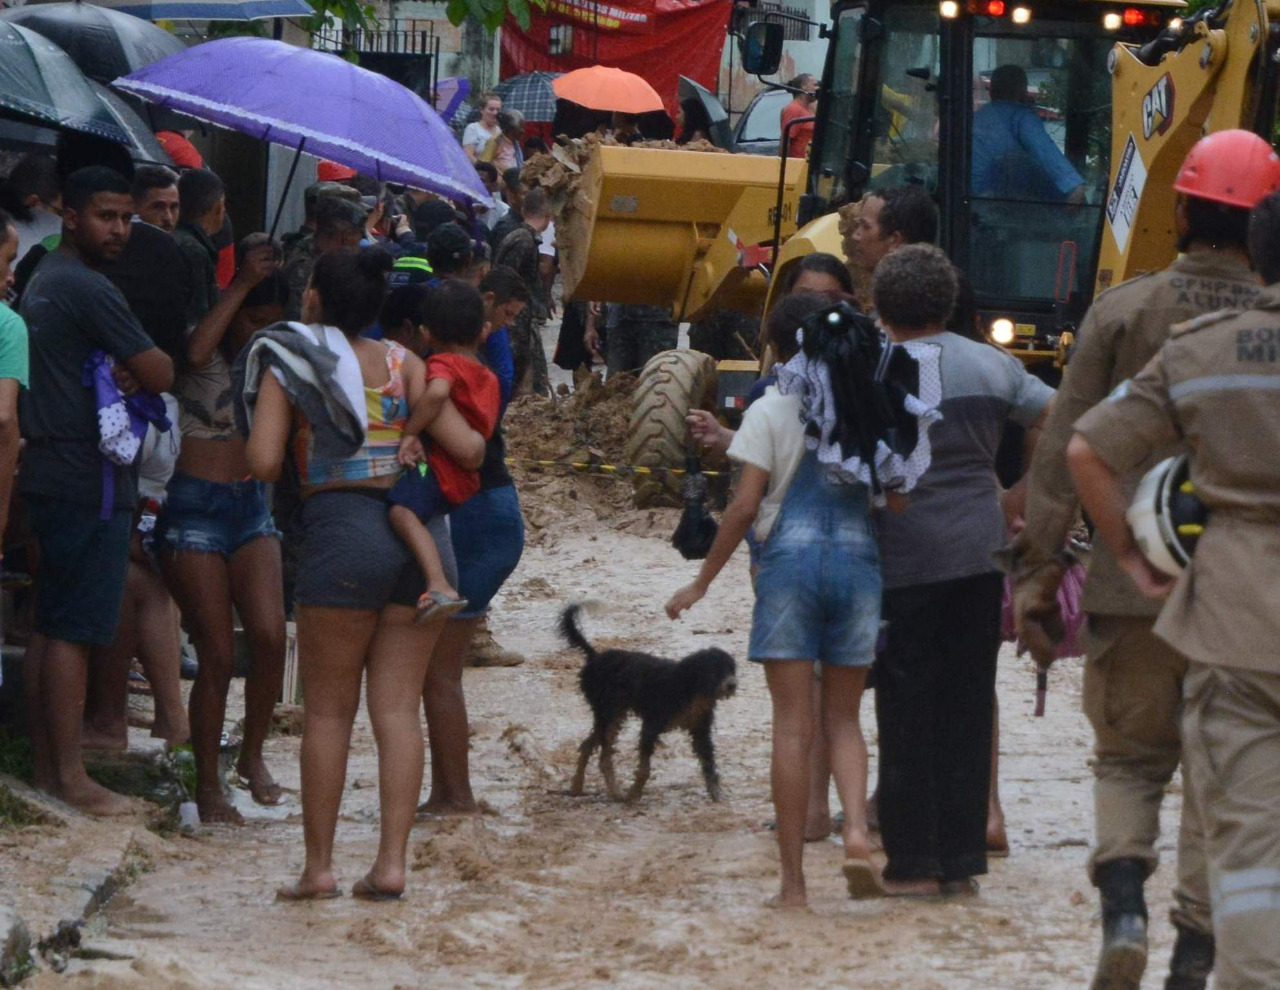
182 151
333 172
1235 168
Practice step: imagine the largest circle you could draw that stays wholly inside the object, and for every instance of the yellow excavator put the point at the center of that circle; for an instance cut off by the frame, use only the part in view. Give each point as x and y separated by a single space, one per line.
1121 91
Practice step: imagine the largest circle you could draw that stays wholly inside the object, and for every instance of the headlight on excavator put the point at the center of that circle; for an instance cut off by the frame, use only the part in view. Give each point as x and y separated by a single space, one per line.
1112 21
949 9
1021 15
1002 331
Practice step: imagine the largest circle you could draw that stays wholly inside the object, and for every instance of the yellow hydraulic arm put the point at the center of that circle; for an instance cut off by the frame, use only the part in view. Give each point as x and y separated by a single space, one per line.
1210 74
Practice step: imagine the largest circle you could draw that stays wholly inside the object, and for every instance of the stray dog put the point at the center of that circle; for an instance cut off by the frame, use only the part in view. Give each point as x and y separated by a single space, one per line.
664 695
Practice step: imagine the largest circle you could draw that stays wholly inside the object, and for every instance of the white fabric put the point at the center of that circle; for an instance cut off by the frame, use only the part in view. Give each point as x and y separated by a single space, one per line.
348 377
477 135
547 241
159 454
31 232
771 438
490 217
810 381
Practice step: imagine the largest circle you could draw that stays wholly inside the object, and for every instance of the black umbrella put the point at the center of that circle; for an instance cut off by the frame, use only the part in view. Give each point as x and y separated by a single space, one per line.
20 135
105 44
721 134
40 83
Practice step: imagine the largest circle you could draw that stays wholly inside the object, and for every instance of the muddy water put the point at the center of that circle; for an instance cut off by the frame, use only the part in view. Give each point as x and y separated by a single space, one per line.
552 891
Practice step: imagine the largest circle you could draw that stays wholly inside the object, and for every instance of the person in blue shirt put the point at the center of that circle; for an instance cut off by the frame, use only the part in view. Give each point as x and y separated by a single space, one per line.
1013 155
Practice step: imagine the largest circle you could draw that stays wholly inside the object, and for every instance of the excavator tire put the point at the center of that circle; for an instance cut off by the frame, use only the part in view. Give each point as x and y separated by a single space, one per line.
671 385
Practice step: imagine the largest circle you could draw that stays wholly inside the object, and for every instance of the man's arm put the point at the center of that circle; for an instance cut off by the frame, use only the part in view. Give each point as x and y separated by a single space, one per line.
1035 139
1051 496
9 443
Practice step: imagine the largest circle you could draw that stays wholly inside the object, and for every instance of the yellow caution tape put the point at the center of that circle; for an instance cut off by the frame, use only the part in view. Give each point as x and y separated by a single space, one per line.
617 470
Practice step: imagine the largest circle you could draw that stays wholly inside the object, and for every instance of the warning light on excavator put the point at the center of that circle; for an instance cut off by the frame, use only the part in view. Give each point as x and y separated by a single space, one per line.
1133 17
949 9
1112 21
1021 15
995 8
1002 330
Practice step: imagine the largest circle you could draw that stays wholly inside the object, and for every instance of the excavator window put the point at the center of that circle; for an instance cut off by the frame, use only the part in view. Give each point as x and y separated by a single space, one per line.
905 117
1040 134
837 105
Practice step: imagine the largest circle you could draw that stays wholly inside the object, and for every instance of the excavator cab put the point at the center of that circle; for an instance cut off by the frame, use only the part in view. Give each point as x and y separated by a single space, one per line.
1002 111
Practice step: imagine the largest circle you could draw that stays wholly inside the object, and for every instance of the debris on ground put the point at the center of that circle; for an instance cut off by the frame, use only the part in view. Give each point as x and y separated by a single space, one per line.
588 425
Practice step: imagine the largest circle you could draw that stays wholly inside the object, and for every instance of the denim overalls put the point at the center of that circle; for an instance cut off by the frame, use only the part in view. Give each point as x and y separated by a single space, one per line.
818 590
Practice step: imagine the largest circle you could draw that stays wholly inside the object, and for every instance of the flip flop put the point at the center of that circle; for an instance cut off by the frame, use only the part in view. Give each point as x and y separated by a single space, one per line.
290 892
998 851
861 879
364 890
434 604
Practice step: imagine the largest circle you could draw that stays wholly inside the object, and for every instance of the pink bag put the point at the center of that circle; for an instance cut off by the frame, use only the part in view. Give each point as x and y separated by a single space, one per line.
1069 592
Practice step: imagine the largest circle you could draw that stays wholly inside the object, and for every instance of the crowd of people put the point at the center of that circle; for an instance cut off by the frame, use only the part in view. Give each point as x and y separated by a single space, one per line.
218 431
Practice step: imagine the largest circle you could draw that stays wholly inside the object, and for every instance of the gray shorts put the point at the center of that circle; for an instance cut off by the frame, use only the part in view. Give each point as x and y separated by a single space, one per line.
350 558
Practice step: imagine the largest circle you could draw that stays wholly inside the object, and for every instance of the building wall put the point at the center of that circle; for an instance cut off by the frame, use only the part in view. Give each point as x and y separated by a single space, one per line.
737 87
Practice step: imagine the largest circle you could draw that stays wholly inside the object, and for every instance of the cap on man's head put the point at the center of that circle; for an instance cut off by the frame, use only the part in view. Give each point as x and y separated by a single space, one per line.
449 248
318 190
410 270
430 215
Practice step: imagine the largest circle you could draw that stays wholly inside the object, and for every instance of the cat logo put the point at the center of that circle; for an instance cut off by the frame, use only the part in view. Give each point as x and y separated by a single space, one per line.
1157 107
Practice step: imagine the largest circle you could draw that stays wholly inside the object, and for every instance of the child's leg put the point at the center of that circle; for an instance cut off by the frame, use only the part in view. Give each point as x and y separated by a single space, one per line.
841 701
817 824
413 533
791 691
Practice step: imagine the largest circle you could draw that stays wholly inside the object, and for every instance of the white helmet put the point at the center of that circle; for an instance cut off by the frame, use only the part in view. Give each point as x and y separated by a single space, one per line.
1166 516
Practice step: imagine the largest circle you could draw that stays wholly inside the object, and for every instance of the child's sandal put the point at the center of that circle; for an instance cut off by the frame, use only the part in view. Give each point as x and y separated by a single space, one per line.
436 604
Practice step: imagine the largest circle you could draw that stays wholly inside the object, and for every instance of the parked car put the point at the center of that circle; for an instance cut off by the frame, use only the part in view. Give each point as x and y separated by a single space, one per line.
759 129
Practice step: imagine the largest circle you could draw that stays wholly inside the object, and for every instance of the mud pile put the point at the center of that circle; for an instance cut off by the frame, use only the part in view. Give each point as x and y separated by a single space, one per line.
588 425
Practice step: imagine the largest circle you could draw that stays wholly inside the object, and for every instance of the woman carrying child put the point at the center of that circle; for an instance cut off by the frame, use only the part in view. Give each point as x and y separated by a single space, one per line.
358 584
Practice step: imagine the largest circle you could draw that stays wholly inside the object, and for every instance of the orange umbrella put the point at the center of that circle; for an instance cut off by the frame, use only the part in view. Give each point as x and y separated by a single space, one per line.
600 87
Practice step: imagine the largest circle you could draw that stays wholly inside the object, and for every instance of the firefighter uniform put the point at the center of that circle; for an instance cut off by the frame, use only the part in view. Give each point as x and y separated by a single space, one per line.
1215 387
1133 680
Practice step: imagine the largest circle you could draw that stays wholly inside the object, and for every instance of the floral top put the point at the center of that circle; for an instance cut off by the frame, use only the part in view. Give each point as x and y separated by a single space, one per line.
388 410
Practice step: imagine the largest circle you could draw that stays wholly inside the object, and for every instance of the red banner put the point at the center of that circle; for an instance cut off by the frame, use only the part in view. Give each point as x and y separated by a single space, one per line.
659 40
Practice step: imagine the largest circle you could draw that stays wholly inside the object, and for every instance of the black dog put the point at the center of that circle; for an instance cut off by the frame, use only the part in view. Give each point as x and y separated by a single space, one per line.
663 694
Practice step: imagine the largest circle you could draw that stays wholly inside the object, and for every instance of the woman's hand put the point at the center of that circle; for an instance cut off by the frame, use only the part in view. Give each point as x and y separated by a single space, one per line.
411 452
707 432
685 599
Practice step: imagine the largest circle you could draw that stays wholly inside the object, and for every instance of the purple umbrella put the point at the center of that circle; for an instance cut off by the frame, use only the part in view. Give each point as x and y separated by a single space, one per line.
307 99
450 92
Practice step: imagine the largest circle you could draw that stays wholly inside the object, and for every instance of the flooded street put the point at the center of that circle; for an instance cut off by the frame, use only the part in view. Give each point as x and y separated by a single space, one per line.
546 890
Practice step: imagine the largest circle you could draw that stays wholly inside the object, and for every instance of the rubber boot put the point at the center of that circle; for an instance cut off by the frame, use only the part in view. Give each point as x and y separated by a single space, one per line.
1124 925
1192 961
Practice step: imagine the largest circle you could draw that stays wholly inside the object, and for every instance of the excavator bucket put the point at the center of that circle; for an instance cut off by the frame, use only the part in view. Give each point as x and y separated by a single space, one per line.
671 228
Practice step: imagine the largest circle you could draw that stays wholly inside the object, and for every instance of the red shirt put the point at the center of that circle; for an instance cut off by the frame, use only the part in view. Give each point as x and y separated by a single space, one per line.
476 395
801 134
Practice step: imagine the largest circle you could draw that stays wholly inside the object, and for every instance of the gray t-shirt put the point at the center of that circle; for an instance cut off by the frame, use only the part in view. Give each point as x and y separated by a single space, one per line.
71 311
953 520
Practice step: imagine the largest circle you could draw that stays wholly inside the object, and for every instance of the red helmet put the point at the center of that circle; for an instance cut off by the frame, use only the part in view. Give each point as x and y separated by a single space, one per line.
1234 167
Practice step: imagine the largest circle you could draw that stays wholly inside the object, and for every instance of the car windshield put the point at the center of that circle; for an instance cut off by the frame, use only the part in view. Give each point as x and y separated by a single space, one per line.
1040 142
764 117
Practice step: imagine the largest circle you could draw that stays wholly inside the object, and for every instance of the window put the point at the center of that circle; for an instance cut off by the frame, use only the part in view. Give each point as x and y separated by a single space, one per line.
837 106
905 117
560 40
1039 149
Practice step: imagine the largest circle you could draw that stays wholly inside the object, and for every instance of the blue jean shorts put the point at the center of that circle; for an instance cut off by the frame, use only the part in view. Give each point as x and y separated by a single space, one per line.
212 517
488 539
817 593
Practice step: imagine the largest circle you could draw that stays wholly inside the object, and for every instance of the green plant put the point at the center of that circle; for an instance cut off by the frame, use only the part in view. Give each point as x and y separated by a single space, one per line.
15 755
491 13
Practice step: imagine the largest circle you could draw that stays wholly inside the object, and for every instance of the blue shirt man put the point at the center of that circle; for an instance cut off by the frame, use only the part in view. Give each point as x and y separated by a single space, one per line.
1013 156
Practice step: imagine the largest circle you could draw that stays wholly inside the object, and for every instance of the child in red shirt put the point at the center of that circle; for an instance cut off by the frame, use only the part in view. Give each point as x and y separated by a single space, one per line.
438 485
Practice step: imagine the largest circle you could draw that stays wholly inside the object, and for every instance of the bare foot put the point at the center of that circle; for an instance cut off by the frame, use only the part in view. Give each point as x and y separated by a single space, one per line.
111 741
320 887
788 901
379 886
857 844
175 732
435 807
262 786
911 888
817 828
215 809
94 799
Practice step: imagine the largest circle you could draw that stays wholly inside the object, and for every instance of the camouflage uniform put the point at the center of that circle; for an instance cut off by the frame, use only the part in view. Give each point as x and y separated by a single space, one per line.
519 251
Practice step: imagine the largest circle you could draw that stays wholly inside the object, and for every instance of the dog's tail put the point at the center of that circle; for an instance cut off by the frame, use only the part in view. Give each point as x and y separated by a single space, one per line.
569 627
